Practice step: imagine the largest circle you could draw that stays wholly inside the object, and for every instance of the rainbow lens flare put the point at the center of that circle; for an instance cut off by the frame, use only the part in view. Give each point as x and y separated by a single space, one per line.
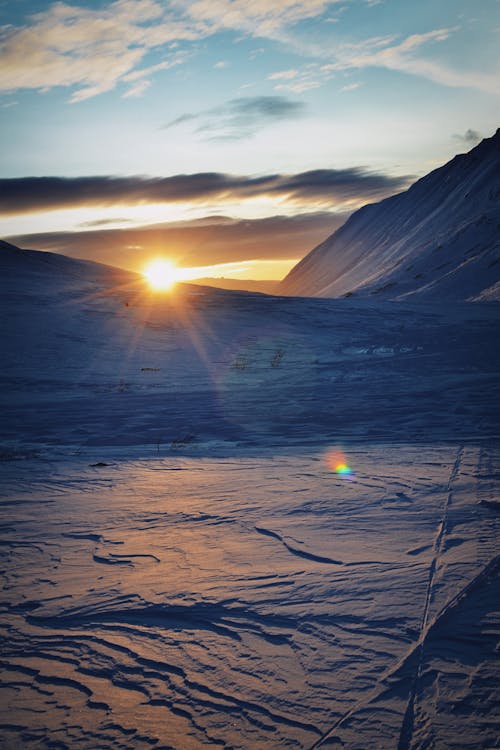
343 469
337 462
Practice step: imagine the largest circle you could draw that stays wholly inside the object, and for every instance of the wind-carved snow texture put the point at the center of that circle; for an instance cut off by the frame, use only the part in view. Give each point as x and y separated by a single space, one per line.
181 565
438 240
213 634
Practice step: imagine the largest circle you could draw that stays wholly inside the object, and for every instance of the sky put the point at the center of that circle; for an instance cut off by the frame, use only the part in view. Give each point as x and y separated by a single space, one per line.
229 135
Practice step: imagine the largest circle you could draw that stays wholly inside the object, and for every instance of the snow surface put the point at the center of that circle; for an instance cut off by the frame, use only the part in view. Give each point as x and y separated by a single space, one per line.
438 240
181 565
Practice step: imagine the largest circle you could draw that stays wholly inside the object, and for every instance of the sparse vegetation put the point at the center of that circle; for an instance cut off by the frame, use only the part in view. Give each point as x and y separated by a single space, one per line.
276 360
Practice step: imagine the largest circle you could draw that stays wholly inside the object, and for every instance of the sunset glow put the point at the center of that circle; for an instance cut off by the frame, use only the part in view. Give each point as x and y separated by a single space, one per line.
233 132
161 274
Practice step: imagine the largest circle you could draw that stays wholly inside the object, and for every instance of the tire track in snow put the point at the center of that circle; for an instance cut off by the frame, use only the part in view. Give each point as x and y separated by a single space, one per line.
425 627
409 717
492 568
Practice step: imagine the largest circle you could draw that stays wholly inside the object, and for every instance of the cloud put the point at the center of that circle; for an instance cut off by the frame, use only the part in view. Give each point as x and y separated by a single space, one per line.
261 51
382 52
401 57
137 89
337 186
299 87
198 243
242 117
258 18
405 56
470 137
187 117
176 59
105 222
283 75
92 50
311 76
331 187
351 87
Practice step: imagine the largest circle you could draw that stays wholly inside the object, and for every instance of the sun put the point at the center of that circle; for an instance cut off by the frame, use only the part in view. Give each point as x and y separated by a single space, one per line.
161 274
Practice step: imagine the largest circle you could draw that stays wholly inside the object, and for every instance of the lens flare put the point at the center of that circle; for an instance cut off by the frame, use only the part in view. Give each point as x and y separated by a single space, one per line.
343 469
337 462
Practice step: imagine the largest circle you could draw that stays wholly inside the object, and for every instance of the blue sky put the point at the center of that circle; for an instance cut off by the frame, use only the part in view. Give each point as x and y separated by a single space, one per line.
249 89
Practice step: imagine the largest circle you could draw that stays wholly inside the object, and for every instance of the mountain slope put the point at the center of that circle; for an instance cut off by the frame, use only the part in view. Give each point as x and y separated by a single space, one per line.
90 356
438 239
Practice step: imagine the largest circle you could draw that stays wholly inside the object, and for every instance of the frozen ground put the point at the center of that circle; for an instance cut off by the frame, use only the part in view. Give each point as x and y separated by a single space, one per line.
252 602
181 565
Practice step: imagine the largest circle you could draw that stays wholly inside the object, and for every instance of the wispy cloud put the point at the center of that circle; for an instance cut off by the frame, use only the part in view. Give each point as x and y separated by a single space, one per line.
325 187
284 75
139 80
255 53
137 89
258 18
409 55
310 76
93 49
403 57
90 50
104 222
350 87
241 117
469 138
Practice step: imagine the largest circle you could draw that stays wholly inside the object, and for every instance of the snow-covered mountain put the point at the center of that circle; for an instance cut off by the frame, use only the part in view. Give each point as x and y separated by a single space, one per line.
439 239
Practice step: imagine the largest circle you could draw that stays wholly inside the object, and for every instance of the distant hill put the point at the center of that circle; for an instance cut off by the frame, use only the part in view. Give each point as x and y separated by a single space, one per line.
55 269
14 259
91 356
440 239
247 285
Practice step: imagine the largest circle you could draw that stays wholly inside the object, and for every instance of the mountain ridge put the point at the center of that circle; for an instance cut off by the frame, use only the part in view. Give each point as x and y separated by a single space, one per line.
438 237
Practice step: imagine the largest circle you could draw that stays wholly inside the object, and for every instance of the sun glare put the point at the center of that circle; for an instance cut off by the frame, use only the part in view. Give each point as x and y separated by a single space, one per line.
161 274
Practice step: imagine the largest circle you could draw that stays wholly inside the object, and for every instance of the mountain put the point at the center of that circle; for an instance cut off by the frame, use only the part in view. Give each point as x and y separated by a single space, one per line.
239 285
440 239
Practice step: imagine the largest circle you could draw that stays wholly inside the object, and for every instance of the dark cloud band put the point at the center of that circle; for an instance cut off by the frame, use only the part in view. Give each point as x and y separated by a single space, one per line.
198 243
330 187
